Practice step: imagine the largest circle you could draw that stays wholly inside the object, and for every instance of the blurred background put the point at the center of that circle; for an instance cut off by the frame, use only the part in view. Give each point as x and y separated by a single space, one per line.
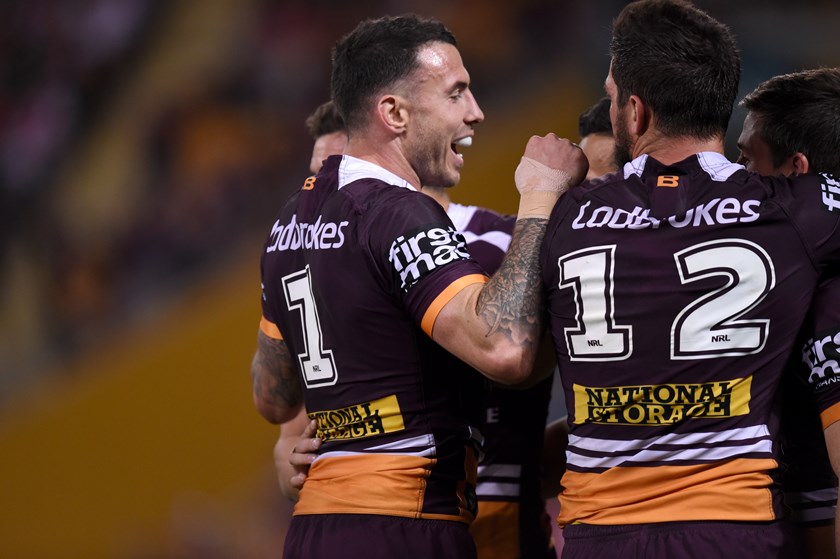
145 146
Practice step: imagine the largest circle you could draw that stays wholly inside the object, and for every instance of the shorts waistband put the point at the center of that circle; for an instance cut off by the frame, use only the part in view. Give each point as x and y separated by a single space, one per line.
606 530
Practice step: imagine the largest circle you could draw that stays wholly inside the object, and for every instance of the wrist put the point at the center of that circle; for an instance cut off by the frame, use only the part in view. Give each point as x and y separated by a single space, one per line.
537 204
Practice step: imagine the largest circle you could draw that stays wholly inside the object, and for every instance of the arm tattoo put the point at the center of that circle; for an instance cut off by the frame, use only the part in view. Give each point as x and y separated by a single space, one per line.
512 301
274 374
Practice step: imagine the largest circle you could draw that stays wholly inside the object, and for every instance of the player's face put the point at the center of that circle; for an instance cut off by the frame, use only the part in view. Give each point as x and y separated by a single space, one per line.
618 119
600 151
442 111
326 145
755 153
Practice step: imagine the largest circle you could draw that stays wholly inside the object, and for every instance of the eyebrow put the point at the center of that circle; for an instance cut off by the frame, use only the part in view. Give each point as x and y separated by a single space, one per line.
459 85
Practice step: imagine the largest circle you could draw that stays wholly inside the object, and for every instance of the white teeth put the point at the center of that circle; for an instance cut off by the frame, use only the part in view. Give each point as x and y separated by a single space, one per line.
466 141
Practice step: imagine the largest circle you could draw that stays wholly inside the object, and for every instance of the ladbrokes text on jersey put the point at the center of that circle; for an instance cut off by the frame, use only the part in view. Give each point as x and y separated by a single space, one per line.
713 212
295 236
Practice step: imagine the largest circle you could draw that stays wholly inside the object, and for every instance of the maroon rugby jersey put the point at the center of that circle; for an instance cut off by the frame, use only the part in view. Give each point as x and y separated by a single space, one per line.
809 482
354 272
511 519
675 296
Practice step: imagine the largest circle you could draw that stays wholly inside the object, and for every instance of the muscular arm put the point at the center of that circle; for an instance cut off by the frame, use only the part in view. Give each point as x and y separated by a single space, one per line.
832 443
278 394
497 327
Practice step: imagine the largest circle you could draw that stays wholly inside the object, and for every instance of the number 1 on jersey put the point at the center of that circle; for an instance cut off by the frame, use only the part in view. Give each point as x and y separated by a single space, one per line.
316 363
589 273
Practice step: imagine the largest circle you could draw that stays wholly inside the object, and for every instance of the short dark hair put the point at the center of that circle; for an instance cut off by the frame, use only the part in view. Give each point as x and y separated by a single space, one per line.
324 120
595 119
800 112
377 54
681 62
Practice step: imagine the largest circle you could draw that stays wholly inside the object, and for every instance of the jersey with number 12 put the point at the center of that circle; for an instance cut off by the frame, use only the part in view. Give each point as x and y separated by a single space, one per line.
675 295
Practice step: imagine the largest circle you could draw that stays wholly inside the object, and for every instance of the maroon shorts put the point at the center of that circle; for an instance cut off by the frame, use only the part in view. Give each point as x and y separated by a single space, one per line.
682 540
371 536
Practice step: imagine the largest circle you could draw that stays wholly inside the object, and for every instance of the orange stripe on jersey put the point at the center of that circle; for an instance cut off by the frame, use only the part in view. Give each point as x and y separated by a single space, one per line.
830 415
733 490
428 322
388 484
270 329
496 530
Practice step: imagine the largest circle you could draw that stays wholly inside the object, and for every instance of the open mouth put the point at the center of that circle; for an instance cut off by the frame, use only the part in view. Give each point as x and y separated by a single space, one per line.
466 141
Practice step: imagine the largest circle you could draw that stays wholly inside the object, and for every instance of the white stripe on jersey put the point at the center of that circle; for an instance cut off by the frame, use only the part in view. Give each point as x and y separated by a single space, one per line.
420 441
816 496
694 454
716 165
494 489
498 239
635 167
642 452
685 439
426 453
500 470
462 215
352 169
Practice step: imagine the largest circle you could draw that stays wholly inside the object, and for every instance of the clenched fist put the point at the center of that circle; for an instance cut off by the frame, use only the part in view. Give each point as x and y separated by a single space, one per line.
550 164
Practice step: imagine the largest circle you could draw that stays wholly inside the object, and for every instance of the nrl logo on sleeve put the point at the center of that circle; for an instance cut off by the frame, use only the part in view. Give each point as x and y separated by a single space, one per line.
830 192
419 253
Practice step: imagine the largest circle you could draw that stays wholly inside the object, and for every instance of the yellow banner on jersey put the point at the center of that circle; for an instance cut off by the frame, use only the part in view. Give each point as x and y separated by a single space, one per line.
659 404
360 420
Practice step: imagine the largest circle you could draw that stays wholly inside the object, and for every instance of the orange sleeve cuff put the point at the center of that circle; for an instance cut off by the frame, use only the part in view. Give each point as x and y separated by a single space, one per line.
270 329
830 415
428 322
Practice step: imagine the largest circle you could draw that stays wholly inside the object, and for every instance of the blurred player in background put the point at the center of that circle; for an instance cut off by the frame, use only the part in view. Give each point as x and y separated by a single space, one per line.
366 284
596 139
792 127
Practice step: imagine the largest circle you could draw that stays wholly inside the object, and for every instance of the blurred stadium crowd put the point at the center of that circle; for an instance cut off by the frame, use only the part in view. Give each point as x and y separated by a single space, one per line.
145 146
84 251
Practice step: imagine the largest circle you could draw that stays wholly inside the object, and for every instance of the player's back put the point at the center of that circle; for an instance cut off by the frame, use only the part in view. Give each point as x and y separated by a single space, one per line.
355 264
675 294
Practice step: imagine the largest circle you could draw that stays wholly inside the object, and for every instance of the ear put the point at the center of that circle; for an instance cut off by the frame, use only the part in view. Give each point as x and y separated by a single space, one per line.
393 113
640 115
799 162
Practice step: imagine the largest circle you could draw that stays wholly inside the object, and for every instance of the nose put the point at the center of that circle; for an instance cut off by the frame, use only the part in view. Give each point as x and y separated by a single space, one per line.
474 112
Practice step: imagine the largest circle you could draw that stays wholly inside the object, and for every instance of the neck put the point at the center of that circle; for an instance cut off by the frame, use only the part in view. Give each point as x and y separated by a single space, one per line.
670 150
385 153
439 193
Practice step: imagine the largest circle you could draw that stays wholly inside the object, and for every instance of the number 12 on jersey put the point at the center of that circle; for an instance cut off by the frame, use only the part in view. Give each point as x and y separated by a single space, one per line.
316 362
711 326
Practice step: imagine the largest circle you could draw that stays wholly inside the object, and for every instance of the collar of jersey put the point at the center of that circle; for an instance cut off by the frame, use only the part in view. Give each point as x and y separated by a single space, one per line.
352 169
716 165
460 215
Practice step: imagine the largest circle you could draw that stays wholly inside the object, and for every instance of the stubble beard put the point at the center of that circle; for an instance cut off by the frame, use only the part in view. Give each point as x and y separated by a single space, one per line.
432 167
622 153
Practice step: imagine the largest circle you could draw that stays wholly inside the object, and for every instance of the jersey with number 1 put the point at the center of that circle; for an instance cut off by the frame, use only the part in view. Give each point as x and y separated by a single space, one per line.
675 295
354 271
